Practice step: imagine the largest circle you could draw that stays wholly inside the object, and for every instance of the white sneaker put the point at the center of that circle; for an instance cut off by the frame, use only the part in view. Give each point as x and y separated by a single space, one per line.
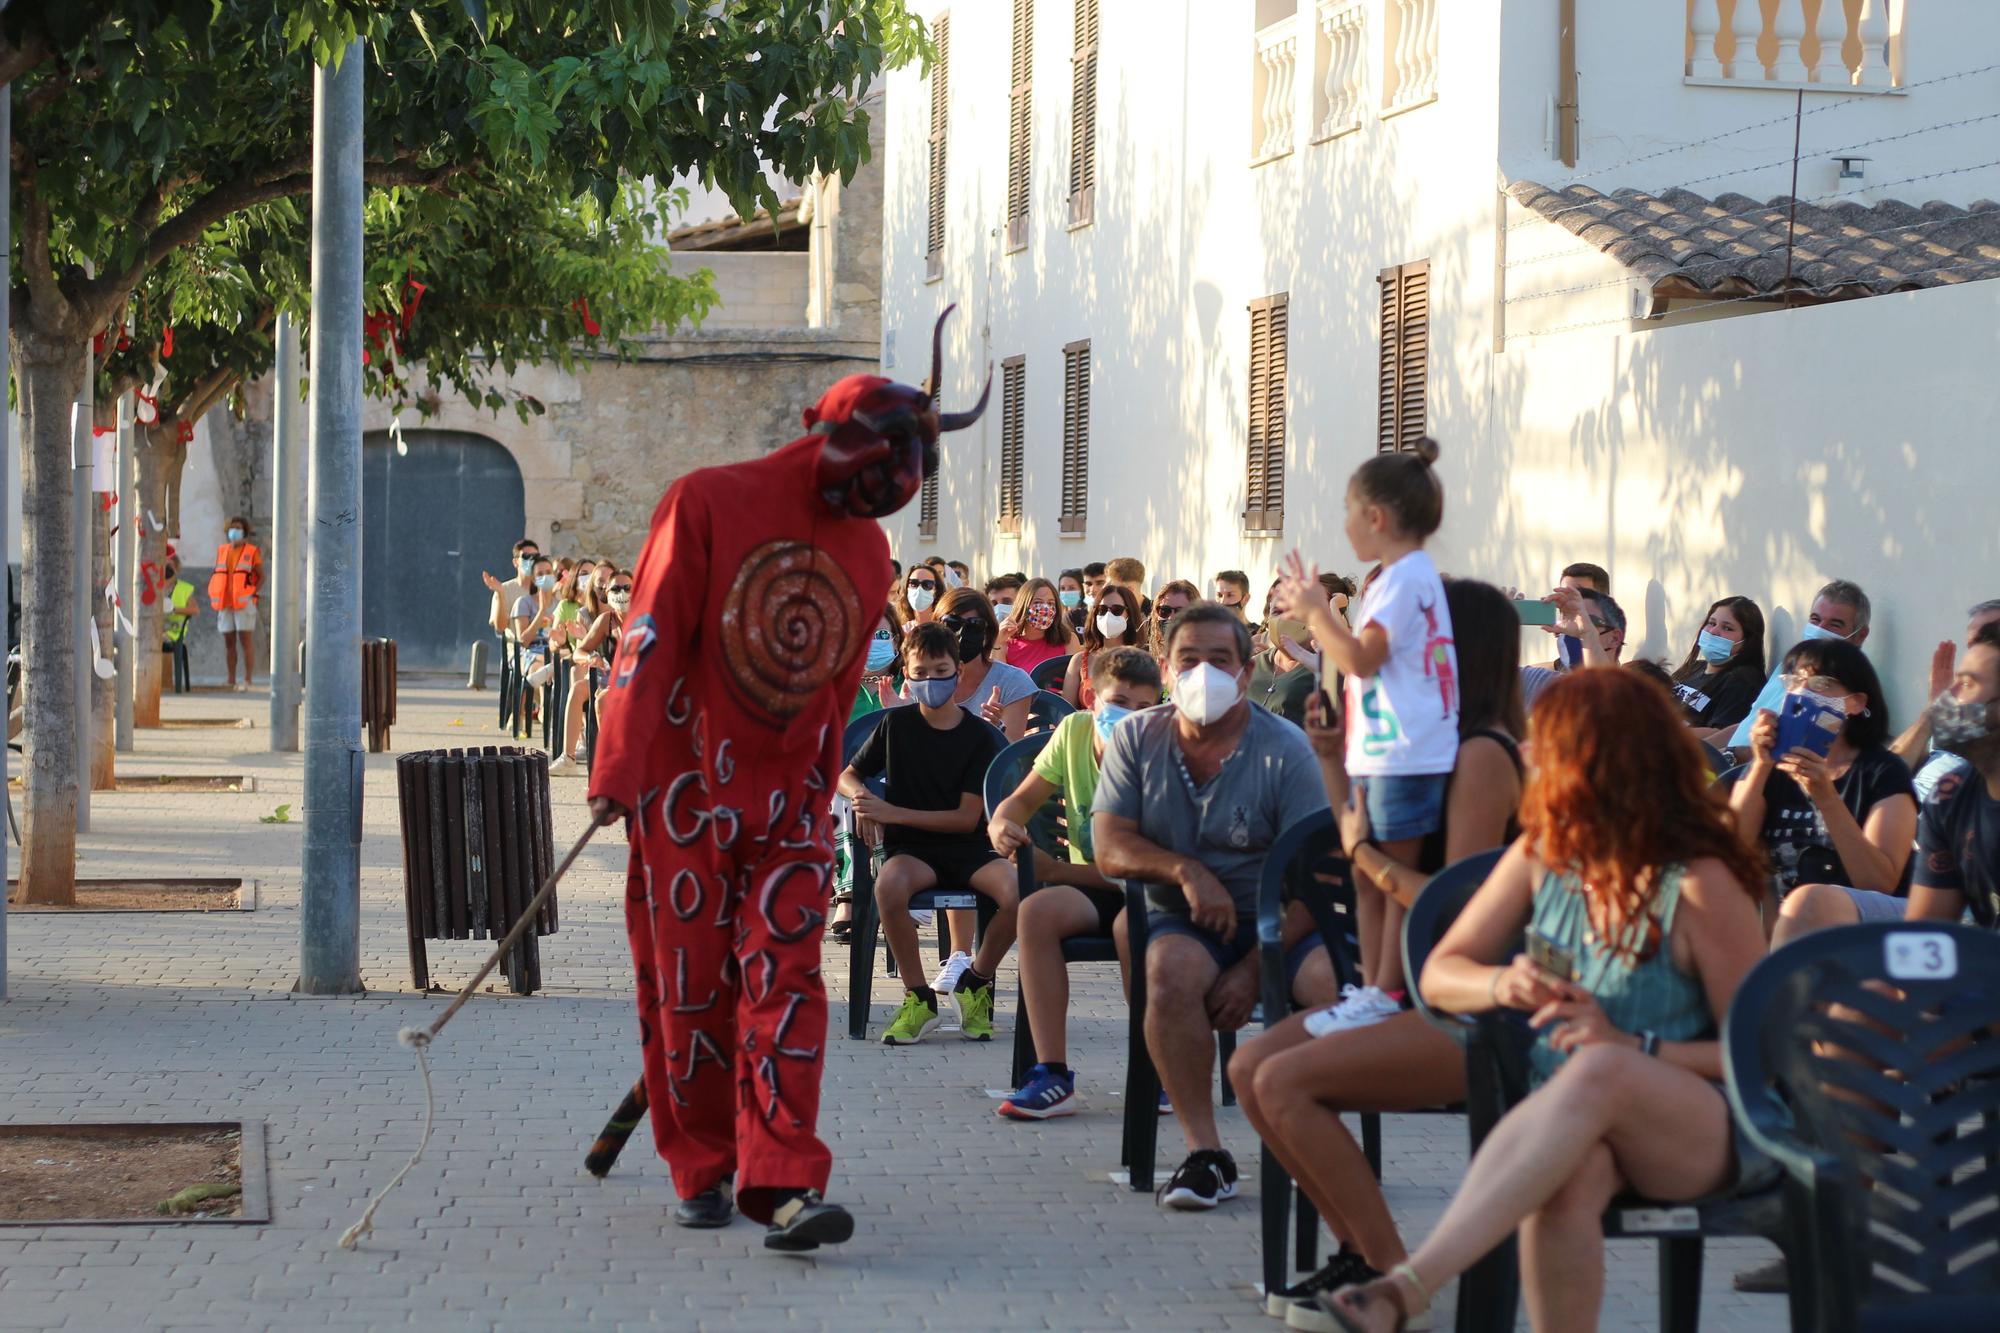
1359 1007
564 766
954 967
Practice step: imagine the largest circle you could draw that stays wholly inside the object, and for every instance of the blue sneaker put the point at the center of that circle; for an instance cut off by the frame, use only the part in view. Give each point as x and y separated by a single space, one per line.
1043 1096
1166 1107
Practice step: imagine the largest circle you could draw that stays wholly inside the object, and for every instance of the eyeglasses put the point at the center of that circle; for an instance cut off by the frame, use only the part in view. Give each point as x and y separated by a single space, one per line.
928 585
1826 685
1602 627
620 587
1164 613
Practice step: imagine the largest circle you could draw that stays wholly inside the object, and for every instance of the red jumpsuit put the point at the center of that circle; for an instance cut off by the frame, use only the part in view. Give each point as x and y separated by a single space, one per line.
740 656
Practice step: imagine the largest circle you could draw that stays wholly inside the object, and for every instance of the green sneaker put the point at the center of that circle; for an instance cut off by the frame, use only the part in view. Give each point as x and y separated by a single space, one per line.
913 1022
975 1012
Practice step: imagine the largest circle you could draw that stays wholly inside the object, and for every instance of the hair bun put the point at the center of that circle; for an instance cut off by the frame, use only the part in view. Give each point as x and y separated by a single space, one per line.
1426 450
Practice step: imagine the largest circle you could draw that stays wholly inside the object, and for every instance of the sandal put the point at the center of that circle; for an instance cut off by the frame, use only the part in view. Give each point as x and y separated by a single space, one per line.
1358 1300
842 925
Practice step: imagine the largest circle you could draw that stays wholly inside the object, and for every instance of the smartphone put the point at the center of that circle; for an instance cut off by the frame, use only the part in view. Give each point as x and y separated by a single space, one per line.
1536 613
1572 651
1808 722
1551 957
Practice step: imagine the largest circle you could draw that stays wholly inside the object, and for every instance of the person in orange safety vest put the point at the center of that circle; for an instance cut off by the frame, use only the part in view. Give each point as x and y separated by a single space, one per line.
232 590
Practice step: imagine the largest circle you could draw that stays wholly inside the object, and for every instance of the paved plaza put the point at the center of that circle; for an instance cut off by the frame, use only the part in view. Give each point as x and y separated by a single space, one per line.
966 1222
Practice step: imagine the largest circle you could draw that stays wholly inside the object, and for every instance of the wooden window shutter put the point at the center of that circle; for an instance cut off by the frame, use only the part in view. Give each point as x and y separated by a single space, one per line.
1083 115
1020 121
1403 371
1075 436
1013 410
940 105
1264 489
927 508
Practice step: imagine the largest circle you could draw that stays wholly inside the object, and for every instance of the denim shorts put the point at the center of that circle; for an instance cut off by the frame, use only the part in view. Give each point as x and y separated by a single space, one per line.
1873 906
1227 954
1404 807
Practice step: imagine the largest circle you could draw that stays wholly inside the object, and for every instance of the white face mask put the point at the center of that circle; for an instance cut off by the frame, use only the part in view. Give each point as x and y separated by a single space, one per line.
1205 693
921 599
1111 626
619 601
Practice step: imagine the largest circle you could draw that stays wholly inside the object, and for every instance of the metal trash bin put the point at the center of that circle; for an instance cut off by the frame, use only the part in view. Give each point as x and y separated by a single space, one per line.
476 847
378 691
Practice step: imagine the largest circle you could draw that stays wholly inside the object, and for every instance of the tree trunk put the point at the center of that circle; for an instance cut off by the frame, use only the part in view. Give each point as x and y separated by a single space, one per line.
103 693
49 373
155 444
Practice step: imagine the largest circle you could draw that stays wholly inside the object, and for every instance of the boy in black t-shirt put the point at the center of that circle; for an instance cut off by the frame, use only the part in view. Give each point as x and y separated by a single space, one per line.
933 759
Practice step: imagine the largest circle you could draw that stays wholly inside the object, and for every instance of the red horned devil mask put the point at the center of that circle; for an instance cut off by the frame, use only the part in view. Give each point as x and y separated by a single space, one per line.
882 437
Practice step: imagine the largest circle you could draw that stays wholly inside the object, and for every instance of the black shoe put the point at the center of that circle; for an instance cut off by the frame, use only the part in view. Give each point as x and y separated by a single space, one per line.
805 1221
711 1208
1206 1178
1346 1268
1774 1277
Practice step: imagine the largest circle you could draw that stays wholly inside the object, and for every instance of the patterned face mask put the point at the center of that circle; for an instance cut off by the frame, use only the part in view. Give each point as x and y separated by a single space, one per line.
1958 727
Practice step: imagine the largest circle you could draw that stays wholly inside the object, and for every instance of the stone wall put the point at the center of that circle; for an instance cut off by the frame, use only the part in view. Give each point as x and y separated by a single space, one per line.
755 291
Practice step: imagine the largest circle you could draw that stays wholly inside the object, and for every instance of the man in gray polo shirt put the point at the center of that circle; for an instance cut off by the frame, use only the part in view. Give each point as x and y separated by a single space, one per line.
1189 798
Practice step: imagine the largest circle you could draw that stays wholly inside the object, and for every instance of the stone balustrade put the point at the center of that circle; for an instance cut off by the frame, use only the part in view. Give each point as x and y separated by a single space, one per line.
1410 70
1277 68
1804 43
1343 54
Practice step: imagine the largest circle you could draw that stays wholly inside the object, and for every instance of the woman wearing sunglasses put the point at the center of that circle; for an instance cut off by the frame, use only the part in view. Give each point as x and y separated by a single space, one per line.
1114 622
917 596
600 647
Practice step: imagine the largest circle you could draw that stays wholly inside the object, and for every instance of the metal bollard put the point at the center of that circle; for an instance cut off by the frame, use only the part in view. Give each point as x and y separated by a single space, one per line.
476 680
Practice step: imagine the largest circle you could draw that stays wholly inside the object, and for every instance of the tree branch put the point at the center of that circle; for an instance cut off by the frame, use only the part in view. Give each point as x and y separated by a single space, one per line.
207 394
47 304
16 61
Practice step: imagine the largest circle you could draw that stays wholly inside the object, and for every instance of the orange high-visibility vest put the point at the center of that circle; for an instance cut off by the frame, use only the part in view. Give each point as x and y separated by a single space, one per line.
239 572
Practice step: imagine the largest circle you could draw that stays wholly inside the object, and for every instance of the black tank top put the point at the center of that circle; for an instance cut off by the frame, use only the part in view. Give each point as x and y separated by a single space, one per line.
1430 858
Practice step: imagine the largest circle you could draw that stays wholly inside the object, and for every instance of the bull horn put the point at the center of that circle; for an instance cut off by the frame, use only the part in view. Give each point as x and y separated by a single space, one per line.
936 381
949 421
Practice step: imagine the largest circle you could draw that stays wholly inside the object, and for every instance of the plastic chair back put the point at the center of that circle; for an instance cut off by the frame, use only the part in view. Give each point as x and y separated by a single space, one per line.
1305 863
857 733
1049 675
1046 709
1047 825
1866 1061
1430 916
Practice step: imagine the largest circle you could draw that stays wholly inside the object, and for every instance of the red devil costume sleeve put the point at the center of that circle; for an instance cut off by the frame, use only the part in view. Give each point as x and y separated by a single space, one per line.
756 594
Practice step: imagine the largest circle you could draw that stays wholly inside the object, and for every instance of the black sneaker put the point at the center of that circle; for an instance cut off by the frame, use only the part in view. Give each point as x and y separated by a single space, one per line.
1772 1278
805 1221
1344 1269
711 1208
1206 1178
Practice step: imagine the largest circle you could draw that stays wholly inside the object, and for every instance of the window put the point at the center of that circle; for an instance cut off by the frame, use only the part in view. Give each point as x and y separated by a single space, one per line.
927 507
1020 118
1406 355
940 103
1013 390
1083 117
1264 491
1075 436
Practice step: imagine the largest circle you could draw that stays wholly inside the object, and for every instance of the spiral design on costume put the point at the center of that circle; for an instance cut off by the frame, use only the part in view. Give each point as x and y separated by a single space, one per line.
791 622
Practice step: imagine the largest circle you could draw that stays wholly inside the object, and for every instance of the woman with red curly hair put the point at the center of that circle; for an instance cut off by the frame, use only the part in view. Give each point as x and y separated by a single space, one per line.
1631 869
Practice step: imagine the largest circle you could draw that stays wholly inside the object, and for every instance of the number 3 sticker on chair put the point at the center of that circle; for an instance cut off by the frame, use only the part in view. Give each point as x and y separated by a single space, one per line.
1921 956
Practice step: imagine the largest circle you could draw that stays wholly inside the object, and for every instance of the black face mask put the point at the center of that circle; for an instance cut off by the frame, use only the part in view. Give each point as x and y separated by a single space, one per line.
971 638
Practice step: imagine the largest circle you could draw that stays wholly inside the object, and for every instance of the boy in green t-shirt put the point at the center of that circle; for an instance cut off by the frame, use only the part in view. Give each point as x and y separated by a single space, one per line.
1073 898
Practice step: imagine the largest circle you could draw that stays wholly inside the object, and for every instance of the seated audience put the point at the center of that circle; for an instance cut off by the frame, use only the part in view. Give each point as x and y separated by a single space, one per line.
1132 574
1072 897
1094 578
917 595
1036 630
1840 610
1293 1084
933 759
1280 681
1913 747
1114 622
1189 800
1630 867
959 574
1840 826
1591 629
1719 679
1000 591
1231 588
1174 598
1069 591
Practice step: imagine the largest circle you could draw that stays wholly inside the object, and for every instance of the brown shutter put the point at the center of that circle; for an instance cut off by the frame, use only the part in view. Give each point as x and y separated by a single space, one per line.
1076 436
927 508
1020 116
1013 394
1264 488
1083 115
1403 371
940 104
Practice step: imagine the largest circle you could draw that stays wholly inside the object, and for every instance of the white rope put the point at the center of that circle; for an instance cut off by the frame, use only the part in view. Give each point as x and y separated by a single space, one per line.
416 1039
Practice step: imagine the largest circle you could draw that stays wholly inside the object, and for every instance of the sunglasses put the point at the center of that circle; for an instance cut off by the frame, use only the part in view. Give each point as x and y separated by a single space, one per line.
620 587
1164 613
959 622
928 585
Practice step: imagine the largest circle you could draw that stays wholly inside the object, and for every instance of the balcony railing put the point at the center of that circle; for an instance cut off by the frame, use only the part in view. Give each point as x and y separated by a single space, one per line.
1274 86
1342 49
1801 44
1410 66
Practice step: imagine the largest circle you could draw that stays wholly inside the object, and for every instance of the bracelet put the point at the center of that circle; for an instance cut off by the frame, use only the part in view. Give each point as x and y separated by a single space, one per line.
1493 986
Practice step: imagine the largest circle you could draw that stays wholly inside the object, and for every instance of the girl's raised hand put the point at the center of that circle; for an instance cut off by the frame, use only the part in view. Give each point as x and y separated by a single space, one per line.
1298 592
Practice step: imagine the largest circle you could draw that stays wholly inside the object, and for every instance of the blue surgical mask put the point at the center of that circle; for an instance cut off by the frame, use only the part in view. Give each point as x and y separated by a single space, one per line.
1715 648
1819 632
1108 717
881 650
1070 597
934 693
526 564
236 534
546 582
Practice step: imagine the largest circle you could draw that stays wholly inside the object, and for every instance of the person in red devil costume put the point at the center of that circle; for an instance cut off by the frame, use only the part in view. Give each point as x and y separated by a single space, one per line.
756 595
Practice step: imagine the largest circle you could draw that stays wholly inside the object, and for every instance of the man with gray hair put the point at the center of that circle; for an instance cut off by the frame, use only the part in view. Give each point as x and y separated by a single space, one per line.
1840 610
1189 798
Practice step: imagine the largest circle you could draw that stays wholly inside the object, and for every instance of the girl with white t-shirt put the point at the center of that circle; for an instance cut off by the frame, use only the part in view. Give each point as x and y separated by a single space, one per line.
1401 706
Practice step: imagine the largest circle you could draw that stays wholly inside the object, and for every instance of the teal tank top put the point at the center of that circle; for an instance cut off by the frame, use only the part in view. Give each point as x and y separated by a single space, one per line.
1649 996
